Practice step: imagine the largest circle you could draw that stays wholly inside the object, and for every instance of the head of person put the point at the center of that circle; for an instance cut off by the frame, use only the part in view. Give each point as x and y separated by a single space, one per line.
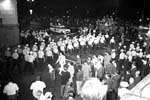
38 78
65 68
93 89
48 95
131 80
78 56
137 73
124 84
39 93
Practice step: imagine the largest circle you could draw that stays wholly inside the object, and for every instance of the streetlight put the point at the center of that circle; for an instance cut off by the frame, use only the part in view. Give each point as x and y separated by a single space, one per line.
30 0
31 11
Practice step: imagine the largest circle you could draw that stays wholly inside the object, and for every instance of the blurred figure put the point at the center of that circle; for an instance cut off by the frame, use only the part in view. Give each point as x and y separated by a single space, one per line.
65 75
93 89
79 79
11 90
86 71
71 71
36 86
41 96
123 88
62 61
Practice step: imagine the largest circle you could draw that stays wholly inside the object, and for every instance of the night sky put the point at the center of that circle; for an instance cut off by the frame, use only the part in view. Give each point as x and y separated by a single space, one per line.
126 8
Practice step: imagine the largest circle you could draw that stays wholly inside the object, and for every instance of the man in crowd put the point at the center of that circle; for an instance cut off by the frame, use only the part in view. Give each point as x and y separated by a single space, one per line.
36 86
71 70
79 78
93 89
65 75
62 61
15 57
11 90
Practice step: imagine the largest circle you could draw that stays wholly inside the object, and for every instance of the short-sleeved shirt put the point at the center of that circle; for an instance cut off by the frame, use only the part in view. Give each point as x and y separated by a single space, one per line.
11 88
38 85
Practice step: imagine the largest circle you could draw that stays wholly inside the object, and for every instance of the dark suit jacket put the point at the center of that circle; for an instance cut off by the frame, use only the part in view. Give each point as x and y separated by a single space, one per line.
116 82
110 69
133 72
109 82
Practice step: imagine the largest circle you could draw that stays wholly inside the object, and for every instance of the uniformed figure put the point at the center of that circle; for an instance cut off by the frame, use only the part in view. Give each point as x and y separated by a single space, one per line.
63 47
71 71
41 59
121 59
70 47
112 42
49 56
31 62
76 46
55 52
19 49
8 58
15 57
11 90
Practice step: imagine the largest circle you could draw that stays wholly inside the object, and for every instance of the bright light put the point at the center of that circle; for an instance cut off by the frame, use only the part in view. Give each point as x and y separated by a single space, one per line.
31 11
140 20
6 5
30 0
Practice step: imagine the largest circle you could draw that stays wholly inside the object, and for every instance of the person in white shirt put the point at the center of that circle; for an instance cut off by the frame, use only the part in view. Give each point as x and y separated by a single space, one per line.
76 46
62 61
49 55
36 86
62 47
112 42
71 71
41 59
70 47
122 55
11 90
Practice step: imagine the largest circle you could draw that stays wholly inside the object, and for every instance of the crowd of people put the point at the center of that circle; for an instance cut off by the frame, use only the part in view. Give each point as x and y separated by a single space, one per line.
124 63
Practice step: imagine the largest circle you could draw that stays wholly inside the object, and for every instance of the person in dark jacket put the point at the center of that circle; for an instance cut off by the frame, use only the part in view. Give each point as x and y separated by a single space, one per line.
116 83
110 68
101 73
65 75
137 77
145 69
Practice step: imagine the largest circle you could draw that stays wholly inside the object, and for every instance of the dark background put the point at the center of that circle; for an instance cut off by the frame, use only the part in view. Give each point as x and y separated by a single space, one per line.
92 8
